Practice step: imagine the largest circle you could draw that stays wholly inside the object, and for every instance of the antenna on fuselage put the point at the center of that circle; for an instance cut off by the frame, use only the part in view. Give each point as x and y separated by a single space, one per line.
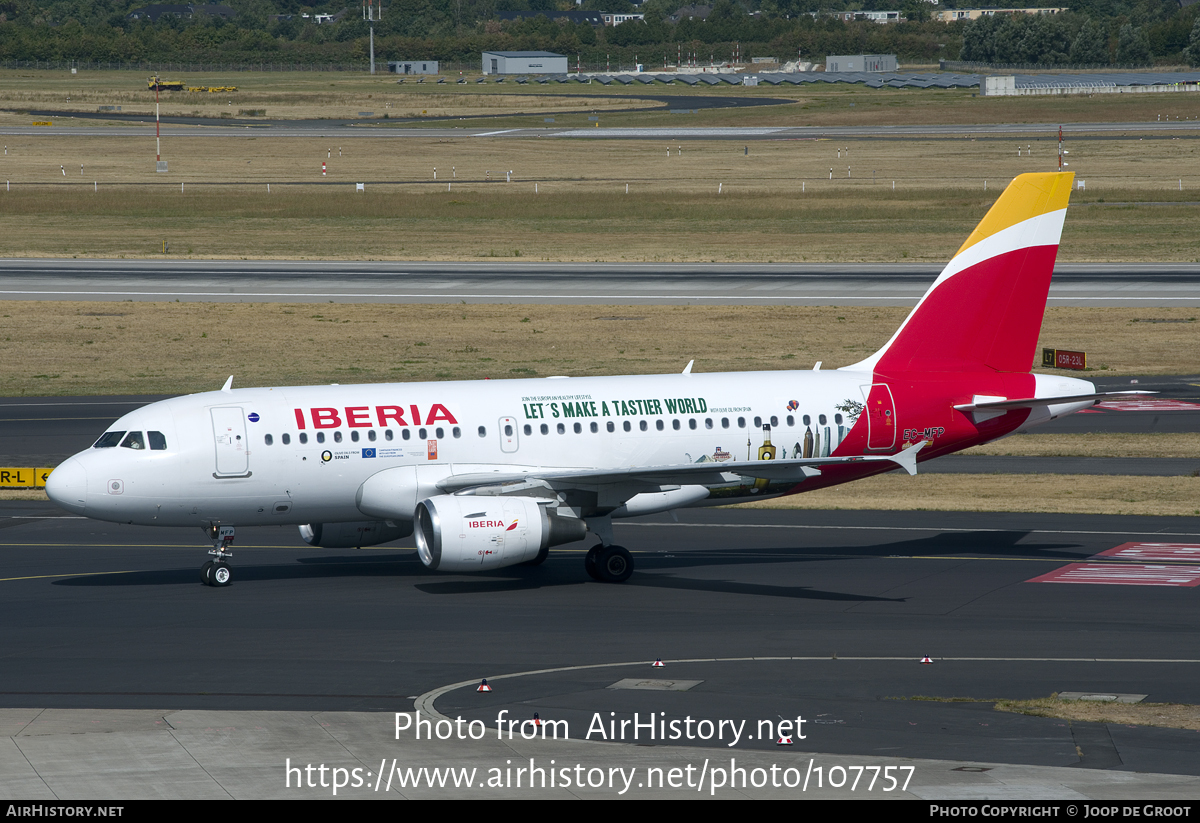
228 385
688 368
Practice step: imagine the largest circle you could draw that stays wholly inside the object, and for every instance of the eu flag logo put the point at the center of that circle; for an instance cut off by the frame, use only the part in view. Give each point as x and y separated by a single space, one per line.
368 452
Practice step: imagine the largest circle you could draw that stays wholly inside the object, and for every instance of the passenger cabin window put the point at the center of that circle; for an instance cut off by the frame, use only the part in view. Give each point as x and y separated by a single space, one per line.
405 433
354 436
320 437
287 438
337 437
370 435
610 426
595 427
109 440
268 439
303 437
528 429
133 440
158 443
387 434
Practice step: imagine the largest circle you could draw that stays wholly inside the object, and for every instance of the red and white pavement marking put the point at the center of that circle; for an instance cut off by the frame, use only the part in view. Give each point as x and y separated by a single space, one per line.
1150 552
1123 574
1149 404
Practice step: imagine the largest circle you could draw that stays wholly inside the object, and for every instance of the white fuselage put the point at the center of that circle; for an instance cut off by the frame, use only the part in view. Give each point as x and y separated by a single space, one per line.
238 457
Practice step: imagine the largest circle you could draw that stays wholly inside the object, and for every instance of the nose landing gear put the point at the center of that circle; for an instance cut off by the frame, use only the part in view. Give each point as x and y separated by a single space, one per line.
216 572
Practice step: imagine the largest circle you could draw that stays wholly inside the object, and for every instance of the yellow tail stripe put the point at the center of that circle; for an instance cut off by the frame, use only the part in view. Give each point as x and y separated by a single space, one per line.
1029 195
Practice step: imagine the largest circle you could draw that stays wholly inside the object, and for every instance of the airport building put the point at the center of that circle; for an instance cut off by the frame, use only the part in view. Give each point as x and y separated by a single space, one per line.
413 66
860 62
524 62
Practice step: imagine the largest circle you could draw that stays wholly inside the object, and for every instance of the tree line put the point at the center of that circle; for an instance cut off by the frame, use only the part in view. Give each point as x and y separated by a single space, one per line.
1093 32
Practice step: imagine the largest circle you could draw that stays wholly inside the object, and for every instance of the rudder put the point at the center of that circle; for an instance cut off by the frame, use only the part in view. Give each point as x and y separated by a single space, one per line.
984 312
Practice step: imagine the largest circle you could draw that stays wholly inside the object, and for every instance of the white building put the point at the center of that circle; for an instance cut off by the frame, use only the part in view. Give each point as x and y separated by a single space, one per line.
860 62
524 62
413 66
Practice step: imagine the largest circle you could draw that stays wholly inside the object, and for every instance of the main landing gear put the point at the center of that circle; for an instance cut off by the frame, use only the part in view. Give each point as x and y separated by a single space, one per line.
608 564
216 572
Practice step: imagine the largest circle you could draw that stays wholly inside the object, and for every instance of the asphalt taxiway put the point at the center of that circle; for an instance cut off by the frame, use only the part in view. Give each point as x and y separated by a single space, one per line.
776 614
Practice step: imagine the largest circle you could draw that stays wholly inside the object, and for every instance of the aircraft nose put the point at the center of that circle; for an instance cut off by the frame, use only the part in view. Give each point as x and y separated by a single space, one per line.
67 485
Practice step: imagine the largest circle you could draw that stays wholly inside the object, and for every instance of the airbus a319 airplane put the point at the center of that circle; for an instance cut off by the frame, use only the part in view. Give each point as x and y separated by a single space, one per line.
493 473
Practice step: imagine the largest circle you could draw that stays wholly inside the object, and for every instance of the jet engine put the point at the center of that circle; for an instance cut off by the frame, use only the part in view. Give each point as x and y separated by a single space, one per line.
473 533
354 535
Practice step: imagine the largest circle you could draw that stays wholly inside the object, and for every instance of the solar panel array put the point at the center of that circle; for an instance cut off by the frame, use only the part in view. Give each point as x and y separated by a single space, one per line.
876 80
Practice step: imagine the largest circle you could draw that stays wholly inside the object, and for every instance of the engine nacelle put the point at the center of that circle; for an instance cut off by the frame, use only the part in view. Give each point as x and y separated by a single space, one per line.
473 533
354 535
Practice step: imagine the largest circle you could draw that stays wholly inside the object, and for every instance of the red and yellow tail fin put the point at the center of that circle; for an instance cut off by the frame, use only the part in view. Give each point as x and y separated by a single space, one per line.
985 310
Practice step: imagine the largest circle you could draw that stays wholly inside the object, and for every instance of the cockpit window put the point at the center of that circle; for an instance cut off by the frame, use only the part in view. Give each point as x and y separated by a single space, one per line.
133 440
158 443
108 440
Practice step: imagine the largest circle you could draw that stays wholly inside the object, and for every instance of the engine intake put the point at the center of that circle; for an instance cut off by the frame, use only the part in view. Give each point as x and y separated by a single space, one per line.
470 533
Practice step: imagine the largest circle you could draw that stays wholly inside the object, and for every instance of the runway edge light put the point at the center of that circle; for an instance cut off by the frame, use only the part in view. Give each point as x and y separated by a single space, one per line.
658 664
484 687
784 740
924 661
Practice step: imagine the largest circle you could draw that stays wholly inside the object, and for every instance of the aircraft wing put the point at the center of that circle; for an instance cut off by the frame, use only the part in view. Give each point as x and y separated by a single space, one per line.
685 474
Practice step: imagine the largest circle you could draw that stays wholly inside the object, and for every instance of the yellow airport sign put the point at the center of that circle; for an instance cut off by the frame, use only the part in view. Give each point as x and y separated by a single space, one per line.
23 478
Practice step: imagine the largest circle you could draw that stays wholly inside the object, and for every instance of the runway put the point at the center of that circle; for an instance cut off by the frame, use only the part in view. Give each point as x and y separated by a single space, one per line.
376 129
290 281
820 614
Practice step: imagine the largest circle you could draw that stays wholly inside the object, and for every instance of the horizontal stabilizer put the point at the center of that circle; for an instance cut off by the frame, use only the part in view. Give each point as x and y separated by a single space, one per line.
1035 402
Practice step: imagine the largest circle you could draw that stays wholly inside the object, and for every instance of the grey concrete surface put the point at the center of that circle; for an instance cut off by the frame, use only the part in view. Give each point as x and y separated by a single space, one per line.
151 754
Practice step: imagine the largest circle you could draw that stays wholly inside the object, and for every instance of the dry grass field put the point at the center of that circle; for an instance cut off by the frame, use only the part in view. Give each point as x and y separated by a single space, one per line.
775 204
1094 445
56 348
1052 493
287 95
1165 715
632 200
